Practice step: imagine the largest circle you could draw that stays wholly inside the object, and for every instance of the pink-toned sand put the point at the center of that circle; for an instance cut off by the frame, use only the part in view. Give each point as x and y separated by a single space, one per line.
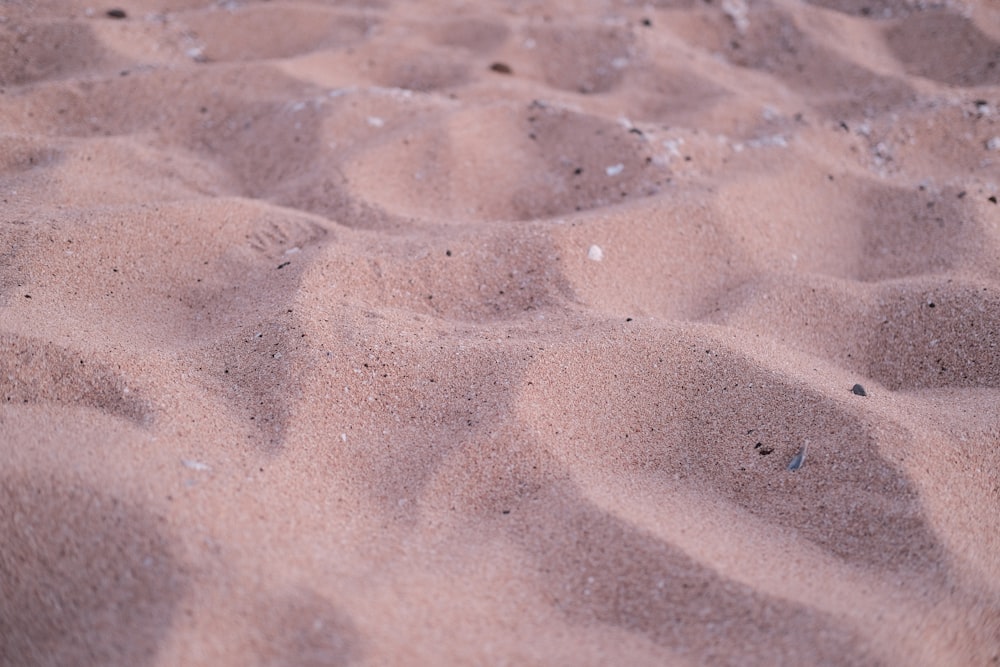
484 333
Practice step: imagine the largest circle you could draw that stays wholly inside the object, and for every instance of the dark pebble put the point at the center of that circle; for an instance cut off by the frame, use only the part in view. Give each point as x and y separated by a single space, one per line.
117 14
283 265
859 390
501 68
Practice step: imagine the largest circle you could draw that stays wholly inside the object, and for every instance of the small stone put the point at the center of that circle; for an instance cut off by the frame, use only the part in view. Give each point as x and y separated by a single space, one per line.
595 253
799 459
859 390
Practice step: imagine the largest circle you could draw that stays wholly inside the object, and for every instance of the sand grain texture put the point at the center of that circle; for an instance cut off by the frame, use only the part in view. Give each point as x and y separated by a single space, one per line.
446 333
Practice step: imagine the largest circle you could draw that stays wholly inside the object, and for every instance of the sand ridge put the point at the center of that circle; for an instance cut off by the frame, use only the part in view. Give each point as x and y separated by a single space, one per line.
394 333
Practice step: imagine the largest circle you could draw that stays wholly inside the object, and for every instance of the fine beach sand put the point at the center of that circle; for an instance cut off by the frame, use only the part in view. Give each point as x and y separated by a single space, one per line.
484 333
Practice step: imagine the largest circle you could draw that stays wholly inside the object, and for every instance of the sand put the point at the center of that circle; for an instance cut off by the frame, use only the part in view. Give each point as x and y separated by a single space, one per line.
485 333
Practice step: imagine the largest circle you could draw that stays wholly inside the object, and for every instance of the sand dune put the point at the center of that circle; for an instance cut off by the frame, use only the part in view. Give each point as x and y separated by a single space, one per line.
395 333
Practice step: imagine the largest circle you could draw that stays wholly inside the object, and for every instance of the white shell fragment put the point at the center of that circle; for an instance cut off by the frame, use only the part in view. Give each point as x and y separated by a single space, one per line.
595 253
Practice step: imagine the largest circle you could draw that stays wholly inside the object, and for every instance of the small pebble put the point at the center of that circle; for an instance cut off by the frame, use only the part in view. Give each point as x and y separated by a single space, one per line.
595 253
116 13
859 390
799 459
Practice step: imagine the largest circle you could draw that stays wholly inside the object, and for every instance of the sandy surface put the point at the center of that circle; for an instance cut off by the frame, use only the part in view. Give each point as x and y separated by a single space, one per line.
484 333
